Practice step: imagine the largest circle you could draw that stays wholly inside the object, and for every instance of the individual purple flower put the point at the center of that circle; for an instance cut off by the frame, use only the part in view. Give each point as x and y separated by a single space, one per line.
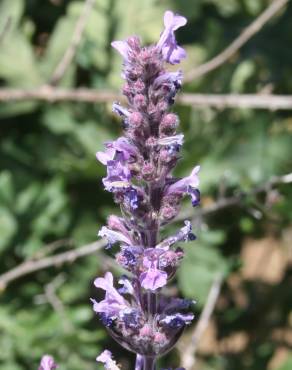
177 320
113 236
187 185
153 279
120 150
184 234
172 53
47 363
106 156
166 78
106 358
118 176
113 303
127 287
168 84
120 110
122 47
172 140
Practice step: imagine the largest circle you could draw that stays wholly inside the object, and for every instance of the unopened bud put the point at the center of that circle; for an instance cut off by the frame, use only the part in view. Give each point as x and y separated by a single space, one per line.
151 142
134 43
127 91
135 119
138 86
168 212
148 171
115 223
169 124
140 101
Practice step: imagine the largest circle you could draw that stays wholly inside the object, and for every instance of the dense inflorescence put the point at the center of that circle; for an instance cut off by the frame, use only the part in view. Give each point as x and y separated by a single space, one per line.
139 175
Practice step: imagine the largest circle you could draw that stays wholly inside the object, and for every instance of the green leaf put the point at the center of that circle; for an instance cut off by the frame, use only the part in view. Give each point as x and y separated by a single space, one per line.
243 72
200 266
6 188
8 227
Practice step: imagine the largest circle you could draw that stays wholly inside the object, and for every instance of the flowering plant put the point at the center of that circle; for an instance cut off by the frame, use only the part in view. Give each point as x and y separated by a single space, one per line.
139 174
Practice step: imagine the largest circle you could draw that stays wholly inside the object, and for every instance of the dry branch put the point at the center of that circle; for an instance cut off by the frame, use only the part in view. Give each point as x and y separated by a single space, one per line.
188 356
251 101
220 101
33 265
245 36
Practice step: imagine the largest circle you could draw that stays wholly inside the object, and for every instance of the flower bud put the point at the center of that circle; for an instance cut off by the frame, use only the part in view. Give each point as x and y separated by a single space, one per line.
138 87
151 142
148 171
116 223
135 119
168 212
127 91
140 101
168 124
134 43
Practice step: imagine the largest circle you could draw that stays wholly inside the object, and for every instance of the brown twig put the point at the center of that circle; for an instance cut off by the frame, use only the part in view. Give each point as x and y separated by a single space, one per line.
75 41
245 36
30 266
188 355
51 94
242 101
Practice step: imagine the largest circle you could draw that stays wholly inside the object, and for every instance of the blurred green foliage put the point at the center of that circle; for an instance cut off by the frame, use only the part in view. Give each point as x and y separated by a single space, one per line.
50 183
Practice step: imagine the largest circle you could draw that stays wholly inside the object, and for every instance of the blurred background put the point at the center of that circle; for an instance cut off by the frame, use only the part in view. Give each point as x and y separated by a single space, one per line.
52 200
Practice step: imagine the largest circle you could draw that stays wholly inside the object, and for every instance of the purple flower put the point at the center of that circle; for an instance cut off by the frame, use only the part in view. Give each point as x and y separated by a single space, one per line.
113 303
121 111
166 78
172 53
184 234
172 140
113 236
120 149
122 47
153 279
47 363
131 197
118 176
187 185
177 320
127 286
106 358
169 83
105 157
